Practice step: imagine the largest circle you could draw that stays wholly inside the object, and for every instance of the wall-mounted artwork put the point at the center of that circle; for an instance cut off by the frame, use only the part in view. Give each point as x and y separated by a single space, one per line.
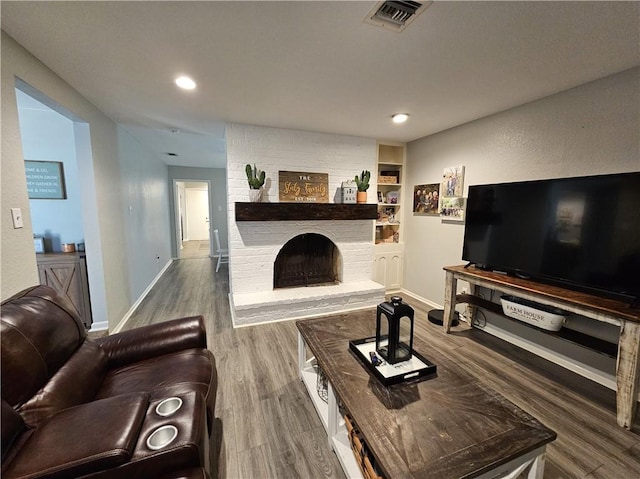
452 209
452 182
45 180
426 198
295 186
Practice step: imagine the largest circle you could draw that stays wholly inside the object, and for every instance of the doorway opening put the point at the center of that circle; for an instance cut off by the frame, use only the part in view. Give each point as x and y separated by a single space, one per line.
193 219
59 172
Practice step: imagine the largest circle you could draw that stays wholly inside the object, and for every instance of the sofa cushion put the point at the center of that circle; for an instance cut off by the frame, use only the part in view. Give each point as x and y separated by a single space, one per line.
12 426
76 382
40 331
166 375
83 439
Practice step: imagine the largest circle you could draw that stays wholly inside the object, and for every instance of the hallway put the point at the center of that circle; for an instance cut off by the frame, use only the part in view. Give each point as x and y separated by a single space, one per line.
195 249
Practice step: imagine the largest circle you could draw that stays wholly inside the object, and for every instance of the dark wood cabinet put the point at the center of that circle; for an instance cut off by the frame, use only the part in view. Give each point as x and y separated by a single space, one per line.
67 274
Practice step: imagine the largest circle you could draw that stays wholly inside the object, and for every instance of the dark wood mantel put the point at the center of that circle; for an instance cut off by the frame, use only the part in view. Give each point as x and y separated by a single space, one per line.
304 211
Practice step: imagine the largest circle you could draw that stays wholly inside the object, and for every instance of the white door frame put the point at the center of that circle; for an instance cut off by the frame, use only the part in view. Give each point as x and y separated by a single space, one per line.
176 212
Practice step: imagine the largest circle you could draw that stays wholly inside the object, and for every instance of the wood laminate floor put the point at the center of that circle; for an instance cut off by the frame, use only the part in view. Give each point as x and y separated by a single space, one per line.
195 249
267 427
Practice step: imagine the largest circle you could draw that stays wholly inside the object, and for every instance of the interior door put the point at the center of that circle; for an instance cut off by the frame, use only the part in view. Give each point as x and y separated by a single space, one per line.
197 204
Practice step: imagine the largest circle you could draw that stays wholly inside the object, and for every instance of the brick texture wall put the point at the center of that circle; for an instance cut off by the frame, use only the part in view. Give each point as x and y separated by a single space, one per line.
253 246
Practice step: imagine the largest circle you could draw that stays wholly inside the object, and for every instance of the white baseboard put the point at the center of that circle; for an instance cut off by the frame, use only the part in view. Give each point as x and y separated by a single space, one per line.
135 305
422 300
99 326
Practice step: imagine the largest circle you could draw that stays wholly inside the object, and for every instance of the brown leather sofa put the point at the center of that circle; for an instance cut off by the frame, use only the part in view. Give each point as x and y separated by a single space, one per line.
72 407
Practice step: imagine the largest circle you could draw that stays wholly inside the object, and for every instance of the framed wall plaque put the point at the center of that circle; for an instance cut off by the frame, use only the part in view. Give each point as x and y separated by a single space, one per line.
302 187
45 180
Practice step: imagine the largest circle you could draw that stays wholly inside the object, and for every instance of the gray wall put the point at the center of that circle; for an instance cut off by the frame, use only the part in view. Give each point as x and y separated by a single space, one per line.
588 130
145 209
114 172
99 168
218 195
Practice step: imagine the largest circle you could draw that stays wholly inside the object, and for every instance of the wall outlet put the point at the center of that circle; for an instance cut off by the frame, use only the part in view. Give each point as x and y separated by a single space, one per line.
16 216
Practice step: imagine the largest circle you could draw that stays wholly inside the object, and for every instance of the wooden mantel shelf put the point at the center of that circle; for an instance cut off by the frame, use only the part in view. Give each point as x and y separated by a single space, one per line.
304 211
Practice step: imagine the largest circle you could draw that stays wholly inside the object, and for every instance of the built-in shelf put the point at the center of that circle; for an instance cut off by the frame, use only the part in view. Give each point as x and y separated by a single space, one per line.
581 339
389 250
304 211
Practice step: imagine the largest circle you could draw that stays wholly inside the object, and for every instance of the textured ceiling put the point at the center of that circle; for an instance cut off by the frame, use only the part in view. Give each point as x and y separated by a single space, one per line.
316 65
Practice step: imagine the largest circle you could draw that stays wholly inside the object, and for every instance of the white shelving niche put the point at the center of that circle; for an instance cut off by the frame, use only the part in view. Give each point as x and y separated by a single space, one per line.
389 239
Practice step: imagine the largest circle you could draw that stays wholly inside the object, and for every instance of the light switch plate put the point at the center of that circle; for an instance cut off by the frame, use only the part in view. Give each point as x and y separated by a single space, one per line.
16 215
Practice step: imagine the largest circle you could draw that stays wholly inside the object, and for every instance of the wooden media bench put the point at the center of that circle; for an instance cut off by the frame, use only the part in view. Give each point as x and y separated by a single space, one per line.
593 307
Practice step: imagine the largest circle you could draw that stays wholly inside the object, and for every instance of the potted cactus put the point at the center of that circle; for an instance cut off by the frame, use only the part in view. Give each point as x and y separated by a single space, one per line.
256 178
362 182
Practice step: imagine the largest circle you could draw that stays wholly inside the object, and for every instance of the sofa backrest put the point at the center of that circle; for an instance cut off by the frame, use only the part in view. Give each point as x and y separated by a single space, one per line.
39 331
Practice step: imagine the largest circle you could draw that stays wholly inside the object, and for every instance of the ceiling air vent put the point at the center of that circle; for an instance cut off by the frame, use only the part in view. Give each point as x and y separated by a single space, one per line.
395 14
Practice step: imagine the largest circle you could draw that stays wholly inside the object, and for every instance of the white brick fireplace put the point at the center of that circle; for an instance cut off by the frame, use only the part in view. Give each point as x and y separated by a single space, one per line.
254 245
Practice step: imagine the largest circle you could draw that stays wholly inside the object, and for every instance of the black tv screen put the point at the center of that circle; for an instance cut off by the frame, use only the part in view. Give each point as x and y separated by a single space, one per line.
582 233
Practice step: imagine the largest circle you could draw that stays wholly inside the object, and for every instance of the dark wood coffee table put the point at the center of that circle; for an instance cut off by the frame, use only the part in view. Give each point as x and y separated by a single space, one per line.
450 426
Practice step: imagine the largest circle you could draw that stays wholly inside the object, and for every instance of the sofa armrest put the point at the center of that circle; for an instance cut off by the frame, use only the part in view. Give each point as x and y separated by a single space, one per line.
154 340
87 438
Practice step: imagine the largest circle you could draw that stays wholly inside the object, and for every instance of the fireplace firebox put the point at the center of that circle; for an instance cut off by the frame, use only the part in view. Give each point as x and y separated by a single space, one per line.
309 259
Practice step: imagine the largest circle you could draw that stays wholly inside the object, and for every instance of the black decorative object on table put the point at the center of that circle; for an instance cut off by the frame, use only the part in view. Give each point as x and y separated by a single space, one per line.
417 368
394 330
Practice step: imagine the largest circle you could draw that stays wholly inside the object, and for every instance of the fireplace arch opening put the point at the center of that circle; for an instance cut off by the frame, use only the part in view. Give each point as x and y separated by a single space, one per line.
309 259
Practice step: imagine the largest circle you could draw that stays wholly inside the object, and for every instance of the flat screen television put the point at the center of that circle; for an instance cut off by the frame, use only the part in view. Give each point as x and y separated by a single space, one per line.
580 233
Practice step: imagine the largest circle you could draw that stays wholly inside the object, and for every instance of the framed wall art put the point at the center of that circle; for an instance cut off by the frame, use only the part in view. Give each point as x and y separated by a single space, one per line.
296 186
426 199
452 209
452 182
45 180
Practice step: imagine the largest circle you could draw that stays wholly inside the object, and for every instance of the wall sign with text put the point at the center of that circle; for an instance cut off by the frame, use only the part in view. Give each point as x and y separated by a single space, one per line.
45 180
301 187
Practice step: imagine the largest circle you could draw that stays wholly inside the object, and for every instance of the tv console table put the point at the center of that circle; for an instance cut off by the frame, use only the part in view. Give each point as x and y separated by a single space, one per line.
594 307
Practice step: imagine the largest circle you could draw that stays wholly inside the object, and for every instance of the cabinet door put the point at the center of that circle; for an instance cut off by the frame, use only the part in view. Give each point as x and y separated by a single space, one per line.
388 270
68 279
380 269
394 271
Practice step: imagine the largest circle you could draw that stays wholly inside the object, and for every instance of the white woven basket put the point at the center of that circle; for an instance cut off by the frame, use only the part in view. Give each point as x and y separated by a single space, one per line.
544 317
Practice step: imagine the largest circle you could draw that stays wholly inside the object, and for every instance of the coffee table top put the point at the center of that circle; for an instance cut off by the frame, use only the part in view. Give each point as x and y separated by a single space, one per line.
450 426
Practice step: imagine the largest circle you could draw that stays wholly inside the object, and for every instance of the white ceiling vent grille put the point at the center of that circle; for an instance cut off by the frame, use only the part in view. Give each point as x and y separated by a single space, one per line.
395 15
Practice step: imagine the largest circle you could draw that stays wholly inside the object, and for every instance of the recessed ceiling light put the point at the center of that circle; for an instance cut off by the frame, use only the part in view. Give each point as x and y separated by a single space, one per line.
400 117
185 83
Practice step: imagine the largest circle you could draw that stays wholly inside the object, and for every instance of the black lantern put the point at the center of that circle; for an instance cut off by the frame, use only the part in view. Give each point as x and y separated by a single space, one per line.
394 330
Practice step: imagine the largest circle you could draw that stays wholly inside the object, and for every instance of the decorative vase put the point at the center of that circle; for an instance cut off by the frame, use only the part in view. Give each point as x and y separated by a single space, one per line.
255 196
361 197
